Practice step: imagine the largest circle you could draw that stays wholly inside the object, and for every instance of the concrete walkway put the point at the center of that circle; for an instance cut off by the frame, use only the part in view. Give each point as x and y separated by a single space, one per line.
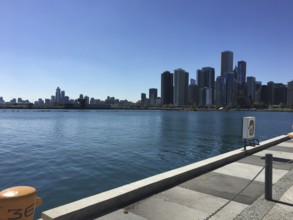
208 196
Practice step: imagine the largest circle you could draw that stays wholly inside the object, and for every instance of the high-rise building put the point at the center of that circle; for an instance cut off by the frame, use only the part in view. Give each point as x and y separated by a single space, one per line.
200 78
166 88
181 78
87 100
226 67
58 95
143 98
228 89
66 99
218 89
251 86
241 72
290 94
206 96
280 94
193 94
257 97
153 95
268 93
209 76
206 85
193 98
192 82
226 62
62 97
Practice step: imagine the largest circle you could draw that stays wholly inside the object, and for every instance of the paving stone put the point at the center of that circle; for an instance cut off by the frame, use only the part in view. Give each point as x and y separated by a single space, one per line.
278 154
283 209
121 215
159 209
202 202
248 171
225 186
260 161
282 148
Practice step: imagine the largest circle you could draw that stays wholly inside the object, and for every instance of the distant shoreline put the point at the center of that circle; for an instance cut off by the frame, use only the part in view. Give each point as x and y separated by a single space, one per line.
147 108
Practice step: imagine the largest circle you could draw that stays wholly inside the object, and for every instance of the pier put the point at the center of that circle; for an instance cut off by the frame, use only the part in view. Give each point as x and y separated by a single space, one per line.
227 186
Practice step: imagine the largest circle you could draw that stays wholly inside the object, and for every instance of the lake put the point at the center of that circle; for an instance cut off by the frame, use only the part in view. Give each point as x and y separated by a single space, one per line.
69 155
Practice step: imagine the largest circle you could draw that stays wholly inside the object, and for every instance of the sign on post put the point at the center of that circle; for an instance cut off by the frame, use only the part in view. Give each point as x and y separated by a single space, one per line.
248 128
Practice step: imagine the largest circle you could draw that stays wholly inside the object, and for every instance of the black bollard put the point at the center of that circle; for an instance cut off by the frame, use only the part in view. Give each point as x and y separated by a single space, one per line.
268 176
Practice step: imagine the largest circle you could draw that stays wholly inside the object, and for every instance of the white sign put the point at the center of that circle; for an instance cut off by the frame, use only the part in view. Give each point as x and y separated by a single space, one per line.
248 127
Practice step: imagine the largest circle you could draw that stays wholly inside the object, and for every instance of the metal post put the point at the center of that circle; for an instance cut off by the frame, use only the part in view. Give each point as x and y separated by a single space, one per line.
268 176
244 144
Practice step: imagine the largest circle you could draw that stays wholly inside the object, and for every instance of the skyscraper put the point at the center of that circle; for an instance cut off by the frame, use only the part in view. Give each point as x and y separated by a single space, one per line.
153 95
268 93
209 75
251 89
226 62
226 67
257 97
228 89
143 98
167 88
200 78
206 85
290 94
280 94
62 97
218 91
193 94
58 95
181 78
241 73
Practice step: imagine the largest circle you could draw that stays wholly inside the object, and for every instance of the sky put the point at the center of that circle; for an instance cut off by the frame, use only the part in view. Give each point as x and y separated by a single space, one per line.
120 48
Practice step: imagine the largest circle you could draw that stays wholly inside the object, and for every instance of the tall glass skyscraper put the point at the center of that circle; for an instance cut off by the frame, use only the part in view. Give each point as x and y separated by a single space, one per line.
250 89
153 95
226 67
181 78
58 95
166 88
226 62
206 84
241 73
228 89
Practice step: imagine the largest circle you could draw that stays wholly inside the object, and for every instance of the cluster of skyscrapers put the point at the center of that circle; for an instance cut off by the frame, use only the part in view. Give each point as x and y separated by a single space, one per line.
233 88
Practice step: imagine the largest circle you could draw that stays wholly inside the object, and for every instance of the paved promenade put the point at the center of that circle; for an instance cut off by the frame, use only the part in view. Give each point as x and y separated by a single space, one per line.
208 196
227 186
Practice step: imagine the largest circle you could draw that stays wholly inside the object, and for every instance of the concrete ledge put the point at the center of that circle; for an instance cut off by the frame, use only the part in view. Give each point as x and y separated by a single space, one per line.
109 201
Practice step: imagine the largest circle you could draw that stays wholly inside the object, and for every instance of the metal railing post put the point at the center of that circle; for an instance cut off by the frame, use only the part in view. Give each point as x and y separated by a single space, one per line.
268 176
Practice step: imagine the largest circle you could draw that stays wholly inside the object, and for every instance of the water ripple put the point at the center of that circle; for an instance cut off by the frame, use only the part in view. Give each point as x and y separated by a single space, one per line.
68 155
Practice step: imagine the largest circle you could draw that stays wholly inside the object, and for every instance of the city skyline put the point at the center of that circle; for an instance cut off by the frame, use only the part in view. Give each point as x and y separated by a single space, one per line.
234 74
120 48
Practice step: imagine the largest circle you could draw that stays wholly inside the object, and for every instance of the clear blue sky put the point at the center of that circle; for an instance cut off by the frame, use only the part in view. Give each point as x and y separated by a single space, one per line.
120 47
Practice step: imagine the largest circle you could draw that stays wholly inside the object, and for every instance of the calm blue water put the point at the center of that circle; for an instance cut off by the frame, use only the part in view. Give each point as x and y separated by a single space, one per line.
68 155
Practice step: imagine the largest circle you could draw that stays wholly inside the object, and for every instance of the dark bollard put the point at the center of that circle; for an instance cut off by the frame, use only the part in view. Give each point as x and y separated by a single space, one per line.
268 176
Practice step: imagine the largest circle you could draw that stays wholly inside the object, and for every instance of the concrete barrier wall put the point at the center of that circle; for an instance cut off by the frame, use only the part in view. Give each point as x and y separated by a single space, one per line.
106 202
